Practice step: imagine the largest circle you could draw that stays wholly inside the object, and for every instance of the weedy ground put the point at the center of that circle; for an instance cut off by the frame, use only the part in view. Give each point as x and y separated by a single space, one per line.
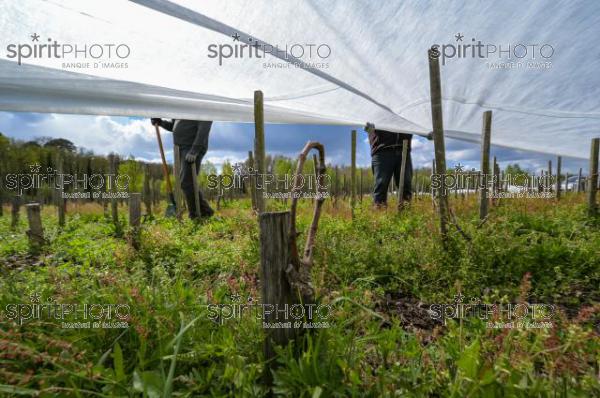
379 272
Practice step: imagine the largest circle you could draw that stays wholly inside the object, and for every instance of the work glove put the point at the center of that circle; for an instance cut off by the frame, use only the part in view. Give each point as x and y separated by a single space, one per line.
191 155
369 126
430 136
156 121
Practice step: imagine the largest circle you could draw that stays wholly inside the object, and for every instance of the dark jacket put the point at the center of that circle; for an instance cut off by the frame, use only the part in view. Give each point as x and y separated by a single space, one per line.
189 133
382 139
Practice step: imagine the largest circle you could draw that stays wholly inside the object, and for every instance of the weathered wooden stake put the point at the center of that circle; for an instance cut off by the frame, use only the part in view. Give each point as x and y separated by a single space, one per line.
360 185
579 180
135 209
402 171
60 201
336 186
147 190
252 180
558 164
113 200
35 232
276 292
438 136
177 192
352 171
114 204
495 200
14 212
486 133
135 217
549 184
592 184
259 148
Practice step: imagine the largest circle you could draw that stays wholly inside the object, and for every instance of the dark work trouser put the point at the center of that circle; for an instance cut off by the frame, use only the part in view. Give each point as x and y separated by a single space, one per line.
186 177
386 164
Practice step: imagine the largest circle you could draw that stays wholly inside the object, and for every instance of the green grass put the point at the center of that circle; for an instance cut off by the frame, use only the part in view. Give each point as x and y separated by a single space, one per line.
535 251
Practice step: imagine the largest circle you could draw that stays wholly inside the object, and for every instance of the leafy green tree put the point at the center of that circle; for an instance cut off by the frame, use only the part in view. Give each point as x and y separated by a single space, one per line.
135 171
514 169
61 143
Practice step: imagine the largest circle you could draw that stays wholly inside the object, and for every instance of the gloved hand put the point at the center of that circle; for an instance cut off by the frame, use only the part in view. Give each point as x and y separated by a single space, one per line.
156 121
430 136
191 156
369 126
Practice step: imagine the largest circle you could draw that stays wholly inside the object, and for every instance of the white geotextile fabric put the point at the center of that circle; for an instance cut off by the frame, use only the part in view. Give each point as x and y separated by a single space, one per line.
377 69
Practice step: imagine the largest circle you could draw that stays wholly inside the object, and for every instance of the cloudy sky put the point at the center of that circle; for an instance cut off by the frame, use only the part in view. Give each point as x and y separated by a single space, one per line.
232 141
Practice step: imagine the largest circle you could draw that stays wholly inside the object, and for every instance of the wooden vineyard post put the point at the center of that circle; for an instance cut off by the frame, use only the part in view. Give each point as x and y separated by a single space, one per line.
592 184
558 164
14 212
177 192
335 187
438 136
113 200
276 292
135 217
135 209
35 232
352 171
549 184
60 201
494 182
147 193
360 186
259 148
401 179
252 180
105 190
579 180
486 133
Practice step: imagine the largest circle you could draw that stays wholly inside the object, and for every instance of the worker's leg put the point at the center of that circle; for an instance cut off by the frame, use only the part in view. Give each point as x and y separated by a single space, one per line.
396 167
186 178
382 164
408 172
205 209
